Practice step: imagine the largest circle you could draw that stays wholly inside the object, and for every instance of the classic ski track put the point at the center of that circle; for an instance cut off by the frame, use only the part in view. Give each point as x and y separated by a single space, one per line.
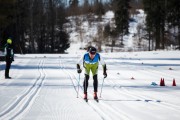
164 104
102 115
96 107
143 98
159 72
61 66
169 105
20 105
8 81
114 115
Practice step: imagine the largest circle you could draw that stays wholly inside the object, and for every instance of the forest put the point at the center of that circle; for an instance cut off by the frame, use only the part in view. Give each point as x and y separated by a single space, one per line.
39 26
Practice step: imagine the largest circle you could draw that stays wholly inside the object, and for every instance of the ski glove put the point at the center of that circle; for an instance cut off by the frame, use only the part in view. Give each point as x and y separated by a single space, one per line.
105 75
78 69
104 71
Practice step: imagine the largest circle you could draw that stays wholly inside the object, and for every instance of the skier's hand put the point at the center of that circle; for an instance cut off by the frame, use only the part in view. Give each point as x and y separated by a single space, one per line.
79 70
105 74
104 71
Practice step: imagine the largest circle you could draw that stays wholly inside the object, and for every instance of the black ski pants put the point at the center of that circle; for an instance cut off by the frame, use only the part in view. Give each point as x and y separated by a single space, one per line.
95 83
8 65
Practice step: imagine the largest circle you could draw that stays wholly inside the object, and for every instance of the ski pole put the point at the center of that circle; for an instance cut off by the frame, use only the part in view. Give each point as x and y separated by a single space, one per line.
102 86
78 86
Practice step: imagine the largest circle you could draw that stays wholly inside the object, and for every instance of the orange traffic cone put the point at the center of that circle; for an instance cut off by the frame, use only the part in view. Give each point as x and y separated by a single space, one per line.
174 82
162 82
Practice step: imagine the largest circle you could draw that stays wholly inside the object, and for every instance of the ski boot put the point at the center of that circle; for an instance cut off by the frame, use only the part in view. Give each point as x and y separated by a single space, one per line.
95 96
85 95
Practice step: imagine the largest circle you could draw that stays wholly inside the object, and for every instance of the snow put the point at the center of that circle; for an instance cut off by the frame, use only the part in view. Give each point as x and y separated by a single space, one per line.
44 86
109 15
89 31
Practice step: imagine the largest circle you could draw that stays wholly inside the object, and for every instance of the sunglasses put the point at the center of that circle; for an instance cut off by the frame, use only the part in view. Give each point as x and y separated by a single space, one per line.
92 53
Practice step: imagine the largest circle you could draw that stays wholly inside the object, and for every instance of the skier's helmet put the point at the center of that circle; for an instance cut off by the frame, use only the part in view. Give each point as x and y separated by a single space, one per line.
92 50
9 41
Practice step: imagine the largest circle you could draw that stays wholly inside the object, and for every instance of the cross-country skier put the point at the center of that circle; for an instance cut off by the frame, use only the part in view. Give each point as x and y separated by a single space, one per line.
90 61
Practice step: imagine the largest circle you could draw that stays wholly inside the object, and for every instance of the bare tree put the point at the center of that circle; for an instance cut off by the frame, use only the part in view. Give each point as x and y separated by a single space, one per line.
139 33
99 37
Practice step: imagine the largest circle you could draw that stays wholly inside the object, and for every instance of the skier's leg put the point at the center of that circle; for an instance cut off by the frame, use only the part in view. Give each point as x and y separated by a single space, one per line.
86 78
85 83
95 83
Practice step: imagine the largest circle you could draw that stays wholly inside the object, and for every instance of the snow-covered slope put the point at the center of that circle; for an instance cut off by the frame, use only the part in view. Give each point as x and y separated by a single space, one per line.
83 32
45 86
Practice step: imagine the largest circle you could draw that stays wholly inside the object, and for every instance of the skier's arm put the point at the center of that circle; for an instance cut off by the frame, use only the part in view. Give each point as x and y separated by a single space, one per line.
104 66
80 61
101 60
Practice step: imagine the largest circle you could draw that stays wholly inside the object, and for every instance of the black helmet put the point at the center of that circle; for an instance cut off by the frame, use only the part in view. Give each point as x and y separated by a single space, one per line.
92 50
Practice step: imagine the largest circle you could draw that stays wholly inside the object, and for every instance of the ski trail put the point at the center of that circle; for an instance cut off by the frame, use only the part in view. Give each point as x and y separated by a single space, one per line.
147 99
154 101
61 66
140 98
119 113
160 73
21 104
74 80
13 73
101 108
109 111
149 72
8 82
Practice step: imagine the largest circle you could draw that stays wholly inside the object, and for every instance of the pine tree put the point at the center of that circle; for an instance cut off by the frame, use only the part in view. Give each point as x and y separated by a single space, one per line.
122 17
62 42
99 9
155 20
86 7
7 11
173 16
7 20
21 15
73 5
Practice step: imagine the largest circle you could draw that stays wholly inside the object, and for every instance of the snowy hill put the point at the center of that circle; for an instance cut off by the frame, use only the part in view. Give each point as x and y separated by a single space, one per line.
82 32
